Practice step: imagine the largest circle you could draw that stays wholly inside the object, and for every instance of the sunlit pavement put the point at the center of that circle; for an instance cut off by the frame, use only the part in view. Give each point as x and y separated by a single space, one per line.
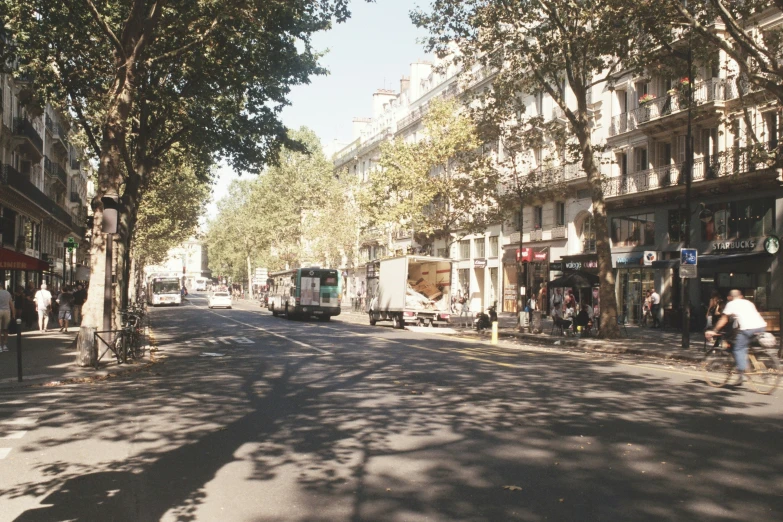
251 417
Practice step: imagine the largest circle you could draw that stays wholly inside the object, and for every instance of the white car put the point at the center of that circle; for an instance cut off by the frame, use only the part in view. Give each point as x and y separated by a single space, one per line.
220 300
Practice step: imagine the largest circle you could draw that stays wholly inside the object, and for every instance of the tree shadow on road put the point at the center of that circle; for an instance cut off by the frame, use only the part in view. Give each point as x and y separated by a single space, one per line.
430 430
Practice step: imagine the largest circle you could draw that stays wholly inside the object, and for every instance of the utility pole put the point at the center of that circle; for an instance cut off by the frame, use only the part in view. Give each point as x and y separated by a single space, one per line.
688 171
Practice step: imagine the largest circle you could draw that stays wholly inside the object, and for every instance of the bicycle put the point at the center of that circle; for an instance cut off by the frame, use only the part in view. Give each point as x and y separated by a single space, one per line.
763 369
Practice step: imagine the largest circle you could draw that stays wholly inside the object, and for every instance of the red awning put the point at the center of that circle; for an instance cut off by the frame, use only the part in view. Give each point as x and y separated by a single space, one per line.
10 260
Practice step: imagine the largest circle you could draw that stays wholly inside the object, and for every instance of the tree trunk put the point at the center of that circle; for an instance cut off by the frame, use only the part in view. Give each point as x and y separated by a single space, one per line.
606 291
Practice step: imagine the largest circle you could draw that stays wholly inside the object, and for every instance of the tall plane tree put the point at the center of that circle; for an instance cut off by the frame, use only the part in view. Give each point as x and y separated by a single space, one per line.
558 47
141 76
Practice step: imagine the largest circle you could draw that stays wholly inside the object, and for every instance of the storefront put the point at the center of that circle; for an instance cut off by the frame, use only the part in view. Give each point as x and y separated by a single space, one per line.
17 269
510 280
745 265
535 273
633 281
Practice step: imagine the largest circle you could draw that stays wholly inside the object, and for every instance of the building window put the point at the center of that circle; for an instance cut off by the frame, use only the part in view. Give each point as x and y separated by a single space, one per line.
479 247
740 219
640 155
9 226
538 217
635 230
464 249
443 252
588 236
676 226
560 213
493 246
771 124
463 274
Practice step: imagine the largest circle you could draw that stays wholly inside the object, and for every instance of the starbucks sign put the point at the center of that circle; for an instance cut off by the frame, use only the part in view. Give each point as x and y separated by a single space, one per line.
771 245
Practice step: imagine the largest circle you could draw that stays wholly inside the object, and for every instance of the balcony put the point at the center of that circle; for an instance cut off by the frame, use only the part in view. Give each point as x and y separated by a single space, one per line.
24 186
731 162
710 91
27 137
536 235
559 232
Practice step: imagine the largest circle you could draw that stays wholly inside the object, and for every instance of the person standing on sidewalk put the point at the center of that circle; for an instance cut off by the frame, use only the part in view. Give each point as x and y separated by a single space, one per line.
65 300
7 314
79 297
750 323
655 308
43 304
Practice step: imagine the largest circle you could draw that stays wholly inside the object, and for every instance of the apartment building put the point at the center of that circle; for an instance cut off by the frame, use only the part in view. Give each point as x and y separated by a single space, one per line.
43 193
736 199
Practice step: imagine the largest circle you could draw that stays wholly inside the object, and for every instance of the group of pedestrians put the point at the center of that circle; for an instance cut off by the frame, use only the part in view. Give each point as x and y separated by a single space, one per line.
651 308
30 304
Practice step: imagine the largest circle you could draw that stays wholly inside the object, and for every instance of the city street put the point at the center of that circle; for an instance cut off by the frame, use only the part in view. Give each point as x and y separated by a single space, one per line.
249 417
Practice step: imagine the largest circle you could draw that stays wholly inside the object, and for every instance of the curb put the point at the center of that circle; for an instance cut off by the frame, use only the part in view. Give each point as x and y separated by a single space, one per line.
600 346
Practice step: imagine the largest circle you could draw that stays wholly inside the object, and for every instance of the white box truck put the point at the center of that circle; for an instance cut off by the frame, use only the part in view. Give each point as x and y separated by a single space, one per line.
409 290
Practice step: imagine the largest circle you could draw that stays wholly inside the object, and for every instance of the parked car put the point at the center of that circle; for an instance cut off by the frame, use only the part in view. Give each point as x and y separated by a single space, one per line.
220 300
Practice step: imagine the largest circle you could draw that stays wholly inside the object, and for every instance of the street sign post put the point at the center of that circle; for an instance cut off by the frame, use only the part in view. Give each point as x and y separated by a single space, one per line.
689 258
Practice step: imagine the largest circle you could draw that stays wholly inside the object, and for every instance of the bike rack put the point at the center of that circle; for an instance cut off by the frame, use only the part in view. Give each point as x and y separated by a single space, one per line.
109 345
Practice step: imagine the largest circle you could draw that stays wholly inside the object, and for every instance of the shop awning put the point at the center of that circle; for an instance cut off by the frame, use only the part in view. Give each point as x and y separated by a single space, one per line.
575 280
742 257
665 263
10 260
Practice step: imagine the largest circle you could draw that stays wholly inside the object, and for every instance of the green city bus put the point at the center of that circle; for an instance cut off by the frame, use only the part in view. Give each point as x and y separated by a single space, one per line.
305 292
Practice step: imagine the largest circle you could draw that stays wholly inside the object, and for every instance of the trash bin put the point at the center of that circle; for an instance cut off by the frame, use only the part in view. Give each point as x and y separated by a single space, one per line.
524 319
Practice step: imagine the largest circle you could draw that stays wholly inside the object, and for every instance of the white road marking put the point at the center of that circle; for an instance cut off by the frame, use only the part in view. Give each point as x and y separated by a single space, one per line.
300 343
243 340
12 435
224 340
4 452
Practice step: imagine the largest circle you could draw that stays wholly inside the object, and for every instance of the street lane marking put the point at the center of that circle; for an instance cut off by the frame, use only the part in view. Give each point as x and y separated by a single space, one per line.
4 452
19 421
300 343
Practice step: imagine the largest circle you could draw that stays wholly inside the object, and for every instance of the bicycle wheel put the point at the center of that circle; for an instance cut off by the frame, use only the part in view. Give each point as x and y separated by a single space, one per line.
763 372
120 349
718 368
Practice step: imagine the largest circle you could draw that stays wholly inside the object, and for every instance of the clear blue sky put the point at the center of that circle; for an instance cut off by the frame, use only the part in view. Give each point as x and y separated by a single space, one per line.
371 50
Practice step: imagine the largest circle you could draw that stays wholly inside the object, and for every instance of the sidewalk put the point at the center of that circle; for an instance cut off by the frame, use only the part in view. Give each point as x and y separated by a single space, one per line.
653 342
49 357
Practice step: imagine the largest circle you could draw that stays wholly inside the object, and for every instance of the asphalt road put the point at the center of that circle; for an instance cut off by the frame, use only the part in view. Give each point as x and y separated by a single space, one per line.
255 418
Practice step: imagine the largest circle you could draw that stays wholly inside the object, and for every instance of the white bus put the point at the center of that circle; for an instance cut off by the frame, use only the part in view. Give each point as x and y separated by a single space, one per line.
163 290
200 284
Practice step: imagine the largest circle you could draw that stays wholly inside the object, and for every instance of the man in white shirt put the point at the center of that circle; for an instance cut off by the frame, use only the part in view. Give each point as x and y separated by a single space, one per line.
43 303
750 324
655 302
7 314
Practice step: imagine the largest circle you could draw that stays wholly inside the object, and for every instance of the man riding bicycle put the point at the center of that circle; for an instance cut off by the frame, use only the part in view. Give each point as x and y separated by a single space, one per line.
750 324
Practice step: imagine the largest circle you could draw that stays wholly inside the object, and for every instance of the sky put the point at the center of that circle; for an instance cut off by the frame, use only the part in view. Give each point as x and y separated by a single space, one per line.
370 51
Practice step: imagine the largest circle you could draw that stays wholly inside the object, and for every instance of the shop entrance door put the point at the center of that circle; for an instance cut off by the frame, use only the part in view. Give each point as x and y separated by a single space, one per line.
634 283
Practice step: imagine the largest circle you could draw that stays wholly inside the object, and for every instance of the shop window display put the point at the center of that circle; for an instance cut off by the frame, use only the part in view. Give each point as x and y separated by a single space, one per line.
740 219
634 230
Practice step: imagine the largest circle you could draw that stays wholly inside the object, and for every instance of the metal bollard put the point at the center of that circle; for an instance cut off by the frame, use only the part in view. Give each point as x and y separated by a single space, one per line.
494 333
19 349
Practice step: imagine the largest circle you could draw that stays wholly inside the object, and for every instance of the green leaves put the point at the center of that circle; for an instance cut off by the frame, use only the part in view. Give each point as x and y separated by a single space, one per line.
436 186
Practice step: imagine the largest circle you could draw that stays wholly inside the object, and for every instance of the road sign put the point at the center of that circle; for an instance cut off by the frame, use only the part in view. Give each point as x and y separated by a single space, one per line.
689 256
688 271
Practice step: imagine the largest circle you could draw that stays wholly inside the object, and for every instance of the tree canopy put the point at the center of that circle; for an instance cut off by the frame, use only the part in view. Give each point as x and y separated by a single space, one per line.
437 186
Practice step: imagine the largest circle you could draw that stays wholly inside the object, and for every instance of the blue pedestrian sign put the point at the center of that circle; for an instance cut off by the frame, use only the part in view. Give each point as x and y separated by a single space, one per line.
689 256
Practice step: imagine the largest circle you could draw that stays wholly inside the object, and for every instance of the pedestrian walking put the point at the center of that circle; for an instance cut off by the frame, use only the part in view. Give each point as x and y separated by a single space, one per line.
79 298
464 313
28 312
531 307
65 302
43 305
655 307
646 308
7 314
